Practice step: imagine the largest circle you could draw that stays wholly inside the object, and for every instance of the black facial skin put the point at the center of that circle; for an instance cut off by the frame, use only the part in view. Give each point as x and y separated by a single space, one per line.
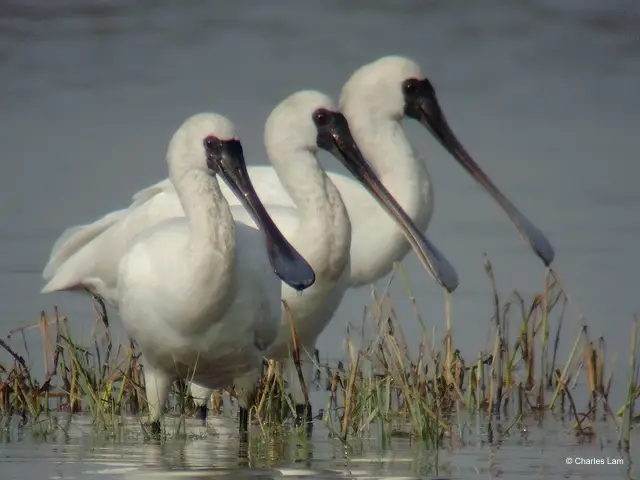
335 137
225 158
421 104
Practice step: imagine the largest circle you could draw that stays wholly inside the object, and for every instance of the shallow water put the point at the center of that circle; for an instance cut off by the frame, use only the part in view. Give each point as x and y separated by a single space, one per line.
214 452
544 95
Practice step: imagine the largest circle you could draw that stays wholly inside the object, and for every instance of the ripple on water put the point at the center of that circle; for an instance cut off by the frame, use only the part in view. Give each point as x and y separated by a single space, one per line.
212 451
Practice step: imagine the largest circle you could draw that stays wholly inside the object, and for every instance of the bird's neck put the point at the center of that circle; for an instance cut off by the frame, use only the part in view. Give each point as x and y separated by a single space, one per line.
378 241
323 237
212 229
384 144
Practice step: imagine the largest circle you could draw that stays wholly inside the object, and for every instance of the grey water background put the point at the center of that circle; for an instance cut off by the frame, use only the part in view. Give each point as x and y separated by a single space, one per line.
544 94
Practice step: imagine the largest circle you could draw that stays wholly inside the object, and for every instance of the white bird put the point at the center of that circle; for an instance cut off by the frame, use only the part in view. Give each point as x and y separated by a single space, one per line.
198 292
375 100
318 226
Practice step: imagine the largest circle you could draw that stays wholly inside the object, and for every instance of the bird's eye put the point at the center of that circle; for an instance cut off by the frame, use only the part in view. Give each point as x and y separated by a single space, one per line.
322 117
410 86
211 142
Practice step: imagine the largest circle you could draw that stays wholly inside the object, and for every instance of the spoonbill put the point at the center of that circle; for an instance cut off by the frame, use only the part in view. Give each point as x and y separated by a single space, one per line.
198 292
375 100
317 225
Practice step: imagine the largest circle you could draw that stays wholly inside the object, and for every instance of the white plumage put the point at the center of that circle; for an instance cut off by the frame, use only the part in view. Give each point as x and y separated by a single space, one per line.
198 292
375 100
317 226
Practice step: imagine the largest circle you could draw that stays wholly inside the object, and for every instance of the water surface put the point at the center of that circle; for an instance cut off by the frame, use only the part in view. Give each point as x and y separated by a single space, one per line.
214 452
544 95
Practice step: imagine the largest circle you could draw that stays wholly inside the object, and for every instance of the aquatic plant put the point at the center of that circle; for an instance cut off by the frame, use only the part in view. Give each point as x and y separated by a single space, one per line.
428 391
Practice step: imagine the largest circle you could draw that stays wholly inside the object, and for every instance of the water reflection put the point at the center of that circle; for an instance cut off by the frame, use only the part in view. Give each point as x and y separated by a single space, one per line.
213 451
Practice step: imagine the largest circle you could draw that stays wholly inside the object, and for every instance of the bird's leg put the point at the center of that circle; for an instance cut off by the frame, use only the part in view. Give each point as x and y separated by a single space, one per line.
202 412
245 387
155 427
200 397
157 384
243 450
303 412
243 417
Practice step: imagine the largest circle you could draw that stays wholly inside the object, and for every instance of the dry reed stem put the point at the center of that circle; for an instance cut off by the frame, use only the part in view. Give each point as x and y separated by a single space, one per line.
383 382
296 353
